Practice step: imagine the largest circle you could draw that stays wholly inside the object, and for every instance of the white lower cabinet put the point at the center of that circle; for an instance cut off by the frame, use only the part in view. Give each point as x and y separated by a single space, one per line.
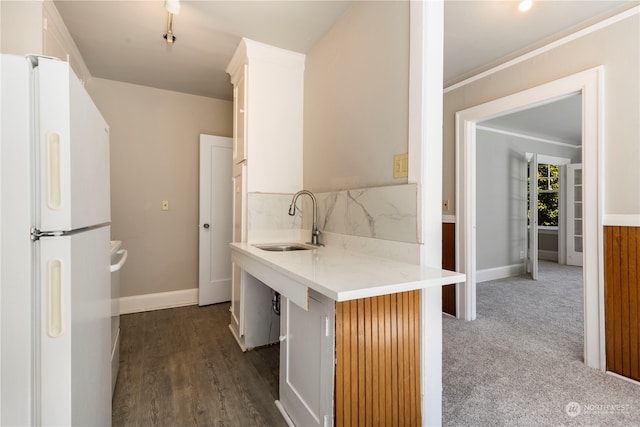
307 360
237 315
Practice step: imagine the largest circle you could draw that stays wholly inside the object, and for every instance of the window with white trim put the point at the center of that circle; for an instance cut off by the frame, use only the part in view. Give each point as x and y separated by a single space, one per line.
548 187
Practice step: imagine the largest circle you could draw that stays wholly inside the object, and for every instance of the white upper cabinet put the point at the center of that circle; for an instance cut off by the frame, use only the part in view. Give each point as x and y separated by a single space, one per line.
268 84
239 122
268 103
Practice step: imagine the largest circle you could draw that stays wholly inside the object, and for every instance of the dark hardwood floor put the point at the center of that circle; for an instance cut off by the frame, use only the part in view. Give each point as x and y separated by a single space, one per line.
182 366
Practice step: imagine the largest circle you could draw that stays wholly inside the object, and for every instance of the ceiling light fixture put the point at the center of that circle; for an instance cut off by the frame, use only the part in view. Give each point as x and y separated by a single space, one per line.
525 5
173 8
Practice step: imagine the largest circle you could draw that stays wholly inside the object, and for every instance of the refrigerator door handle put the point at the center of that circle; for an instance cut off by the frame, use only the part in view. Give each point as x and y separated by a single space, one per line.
54 298
118 266
54 172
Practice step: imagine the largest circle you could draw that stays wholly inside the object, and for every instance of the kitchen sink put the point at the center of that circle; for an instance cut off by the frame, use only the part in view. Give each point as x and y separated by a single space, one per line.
284 247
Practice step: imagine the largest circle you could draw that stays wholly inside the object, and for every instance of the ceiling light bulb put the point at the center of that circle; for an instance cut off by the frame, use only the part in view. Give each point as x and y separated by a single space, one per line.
525 5
172 6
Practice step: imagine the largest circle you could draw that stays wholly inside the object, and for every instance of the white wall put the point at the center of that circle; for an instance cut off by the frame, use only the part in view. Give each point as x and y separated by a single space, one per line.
501 195
356 99
154 157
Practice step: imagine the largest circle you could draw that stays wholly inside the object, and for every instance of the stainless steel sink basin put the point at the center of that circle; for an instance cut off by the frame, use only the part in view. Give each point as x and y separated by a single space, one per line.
284 247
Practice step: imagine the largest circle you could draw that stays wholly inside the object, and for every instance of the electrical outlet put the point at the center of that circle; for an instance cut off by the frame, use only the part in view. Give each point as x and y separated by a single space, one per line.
445 205
165 205
521 254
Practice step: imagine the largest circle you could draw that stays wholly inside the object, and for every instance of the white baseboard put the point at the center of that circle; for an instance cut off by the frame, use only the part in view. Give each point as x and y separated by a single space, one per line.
159 301
283 412
613 374
238 340
499 272
548 255
450 219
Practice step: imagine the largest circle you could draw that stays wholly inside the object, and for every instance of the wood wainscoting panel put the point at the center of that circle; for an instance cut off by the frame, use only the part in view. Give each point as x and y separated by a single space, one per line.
622 298
449 263
378 361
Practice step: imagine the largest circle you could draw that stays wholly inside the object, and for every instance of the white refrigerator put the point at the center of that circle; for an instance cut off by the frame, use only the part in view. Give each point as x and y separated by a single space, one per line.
55 297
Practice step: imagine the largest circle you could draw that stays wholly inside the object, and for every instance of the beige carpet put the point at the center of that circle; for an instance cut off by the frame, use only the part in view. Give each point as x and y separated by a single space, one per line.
520 363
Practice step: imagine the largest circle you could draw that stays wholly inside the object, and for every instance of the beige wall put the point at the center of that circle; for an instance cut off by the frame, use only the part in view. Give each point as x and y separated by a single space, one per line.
21 27
154 157
617 47
356 99
22 32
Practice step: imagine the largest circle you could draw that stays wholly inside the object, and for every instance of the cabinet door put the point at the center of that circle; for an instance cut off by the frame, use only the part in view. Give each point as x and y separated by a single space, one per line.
236 297
239 119
307 361
239 235
240 203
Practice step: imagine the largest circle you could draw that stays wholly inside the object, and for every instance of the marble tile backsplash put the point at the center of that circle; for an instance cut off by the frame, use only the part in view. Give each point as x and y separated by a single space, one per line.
380 221
268 218
399 251
388 213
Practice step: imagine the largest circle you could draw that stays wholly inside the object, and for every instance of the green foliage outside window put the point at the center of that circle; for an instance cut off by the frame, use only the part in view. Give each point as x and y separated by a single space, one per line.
548 185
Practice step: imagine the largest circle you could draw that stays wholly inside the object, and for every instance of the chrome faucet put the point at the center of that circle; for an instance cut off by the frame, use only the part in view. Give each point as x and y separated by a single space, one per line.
315 233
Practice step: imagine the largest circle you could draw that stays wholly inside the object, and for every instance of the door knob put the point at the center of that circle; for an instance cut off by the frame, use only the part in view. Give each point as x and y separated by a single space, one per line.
206 226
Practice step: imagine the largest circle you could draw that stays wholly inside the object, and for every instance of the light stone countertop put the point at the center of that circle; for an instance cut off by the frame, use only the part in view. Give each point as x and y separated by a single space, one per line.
337 273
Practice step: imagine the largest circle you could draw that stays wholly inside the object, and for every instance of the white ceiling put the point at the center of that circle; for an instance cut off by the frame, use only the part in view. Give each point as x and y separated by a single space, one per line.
559 121
122 40
482 34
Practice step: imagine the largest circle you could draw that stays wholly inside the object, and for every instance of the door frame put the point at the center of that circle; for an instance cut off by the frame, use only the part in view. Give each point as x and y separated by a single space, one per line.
569 232
531 259
590 84
563 162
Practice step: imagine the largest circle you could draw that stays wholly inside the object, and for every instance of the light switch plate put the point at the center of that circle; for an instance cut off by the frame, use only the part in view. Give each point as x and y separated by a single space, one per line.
401 165
165 205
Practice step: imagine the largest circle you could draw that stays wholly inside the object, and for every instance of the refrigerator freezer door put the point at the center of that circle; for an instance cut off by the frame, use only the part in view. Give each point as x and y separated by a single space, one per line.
72 152
73 282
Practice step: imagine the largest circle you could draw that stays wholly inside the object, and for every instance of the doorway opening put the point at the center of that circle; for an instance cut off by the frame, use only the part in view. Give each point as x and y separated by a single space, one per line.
523 220
588 84
554 211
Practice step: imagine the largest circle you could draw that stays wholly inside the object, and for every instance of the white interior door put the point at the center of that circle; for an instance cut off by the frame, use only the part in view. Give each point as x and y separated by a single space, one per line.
215 219
532 252
574 214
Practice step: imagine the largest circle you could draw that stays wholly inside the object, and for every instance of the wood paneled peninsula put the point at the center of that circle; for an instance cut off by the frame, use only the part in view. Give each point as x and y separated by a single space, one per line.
350 333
